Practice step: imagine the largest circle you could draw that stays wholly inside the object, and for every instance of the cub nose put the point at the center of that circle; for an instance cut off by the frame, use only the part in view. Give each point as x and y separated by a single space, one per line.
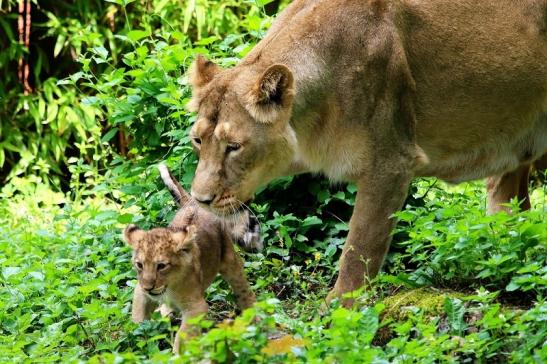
204 199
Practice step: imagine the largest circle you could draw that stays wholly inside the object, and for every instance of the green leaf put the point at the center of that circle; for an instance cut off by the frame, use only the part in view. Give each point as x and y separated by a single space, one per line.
311 221
59 44
263 2
352 188
125 218
10 271
455 311
108 136
512 286
136 35
191 4
101 52
52 109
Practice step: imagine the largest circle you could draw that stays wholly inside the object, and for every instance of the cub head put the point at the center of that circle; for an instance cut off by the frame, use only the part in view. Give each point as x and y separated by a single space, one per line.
161 256
242 134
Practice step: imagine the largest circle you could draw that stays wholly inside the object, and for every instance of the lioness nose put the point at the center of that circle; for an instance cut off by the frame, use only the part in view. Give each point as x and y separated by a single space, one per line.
205 199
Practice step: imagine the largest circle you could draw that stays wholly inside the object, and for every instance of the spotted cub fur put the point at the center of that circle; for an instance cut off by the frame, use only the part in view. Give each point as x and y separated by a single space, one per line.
175 265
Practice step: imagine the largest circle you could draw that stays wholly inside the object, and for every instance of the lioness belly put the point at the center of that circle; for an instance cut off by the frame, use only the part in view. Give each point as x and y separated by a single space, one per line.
497 155
481 84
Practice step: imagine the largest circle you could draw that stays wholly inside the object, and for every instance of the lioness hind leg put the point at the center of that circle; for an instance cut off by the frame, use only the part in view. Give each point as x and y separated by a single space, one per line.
378 197
501 189
232 271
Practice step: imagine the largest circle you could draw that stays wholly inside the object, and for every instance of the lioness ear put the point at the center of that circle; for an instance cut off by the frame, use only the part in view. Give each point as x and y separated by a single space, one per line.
185 238
201 73
272 94
132 234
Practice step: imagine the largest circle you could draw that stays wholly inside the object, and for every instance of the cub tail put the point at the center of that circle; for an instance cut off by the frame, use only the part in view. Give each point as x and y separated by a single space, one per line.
179 194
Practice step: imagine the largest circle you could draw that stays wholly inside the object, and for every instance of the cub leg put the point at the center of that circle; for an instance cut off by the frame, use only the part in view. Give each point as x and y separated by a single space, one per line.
142 306
192 309
378 197
232 271
166 310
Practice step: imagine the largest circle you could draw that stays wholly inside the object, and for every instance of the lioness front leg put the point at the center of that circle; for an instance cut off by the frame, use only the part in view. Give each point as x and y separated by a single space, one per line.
378 197
142 306
191 310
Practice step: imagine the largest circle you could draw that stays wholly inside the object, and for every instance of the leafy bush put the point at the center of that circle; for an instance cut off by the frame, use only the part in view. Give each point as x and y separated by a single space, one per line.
89 61
66 284
41 129
454 244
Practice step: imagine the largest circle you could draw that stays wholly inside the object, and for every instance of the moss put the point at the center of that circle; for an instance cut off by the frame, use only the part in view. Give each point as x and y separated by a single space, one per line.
429 301
398 307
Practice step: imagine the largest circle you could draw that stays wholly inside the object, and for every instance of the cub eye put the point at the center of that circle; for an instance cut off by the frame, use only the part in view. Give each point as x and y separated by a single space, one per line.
232 147
139 265
161 266
197 141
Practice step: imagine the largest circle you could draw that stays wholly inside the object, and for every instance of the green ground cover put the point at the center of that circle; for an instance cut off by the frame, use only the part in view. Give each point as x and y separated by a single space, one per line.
458 286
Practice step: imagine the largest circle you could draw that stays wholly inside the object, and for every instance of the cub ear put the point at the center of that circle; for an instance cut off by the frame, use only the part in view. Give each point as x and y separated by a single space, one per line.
132 234
201 73
272 94
185 238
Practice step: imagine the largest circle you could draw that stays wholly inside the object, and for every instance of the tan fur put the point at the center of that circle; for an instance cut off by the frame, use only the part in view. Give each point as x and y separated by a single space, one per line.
501 189
376 92
193 256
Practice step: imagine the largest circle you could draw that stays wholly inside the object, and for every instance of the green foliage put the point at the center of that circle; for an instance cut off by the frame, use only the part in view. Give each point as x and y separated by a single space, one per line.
454 244
101 67
66 282
41 129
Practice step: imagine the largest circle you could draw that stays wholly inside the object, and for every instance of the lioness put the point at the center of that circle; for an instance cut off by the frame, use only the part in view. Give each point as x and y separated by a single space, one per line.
503 188
176 264
375 92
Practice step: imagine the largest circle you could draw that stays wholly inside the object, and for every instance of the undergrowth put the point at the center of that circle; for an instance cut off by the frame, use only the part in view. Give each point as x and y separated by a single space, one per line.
66 284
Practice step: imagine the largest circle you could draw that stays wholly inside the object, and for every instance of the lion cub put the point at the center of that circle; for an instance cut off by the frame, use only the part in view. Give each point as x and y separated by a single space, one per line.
175 265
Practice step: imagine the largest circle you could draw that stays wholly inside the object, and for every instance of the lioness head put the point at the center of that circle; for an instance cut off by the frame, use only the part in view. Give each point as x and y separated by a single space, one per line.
161 256
242 133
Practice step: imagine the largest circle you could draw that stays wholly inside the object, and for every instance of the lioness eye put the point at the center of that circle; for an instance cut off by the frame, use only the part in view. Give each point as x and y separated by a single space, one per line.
232 147
197 141
161 266
139 265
